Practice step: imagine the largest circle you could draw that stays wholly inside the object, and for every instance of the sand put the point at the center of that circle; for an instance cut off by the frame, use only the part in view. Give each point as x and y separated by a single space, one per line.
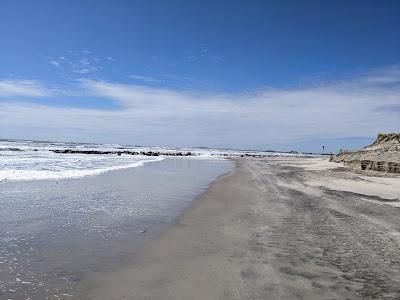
55 233
382 155
279 228
370 183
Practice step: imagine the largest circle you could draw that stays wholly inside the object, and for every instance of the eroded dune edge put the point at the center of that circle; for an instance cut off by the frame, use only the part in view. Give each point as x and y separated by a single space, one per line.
382 155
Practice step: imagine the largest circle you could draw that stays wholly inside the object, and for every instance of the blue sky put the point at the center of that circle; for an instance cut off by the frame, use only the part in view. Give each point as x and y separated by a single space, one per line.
242 74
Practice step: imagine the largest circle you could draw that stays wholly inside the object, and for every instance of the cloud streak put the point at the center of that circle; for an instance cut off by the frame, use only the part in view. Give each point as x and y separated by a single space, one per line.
146 79
28 88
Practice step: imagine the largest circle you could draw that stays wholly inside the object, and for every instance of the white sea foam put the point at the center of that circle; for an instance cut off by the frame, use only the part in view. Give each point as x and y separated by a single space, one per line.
35 163
28 160
24 174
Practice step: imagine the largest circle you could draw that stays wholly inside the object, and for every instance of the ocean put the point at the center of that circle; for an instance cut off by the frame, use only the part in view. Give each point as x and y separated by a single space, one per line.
66 217
35 160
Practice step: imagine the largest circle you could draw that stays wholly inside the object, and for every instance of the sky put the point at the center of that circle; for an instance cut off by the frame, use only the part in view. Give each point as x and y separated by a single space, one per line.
284 75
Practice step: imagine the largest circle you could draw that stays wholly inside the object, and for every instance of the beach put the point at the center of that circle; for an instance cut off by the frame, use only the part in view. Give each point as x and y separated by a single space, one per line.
273 228
55 233
199 228
199 150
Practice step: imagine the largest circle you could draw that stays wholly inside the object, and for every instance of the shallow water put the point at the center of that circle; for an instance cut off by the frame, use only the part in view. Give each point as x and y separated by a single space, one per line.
54 233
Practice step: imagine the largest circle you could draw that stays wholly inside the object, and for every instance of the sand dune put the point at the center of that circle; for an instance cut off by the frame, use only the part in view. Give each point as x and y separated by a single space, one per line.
381 155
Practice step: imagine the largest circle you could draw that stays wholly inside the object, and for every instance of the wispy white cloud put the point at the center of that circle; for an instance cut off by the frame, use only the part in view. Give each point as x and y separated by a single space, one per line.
146 79
29 88
55 63
85 65
82 63
154 115
387 75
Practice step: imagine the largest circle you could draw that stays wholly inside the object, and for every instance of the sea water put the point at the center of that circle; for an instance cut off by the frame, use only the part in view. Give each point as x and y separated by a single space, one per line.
64 223
25 160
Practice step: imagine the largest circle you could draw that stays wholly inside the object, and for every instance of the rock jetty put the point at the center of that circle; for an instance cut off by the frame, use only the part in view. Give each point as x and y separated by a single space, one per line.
146 153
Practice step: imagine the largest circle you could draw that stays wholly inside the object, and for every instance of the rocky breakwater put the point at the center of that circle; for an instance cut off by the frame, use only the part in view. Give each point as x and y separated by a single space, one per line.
145 153
169 153
382 155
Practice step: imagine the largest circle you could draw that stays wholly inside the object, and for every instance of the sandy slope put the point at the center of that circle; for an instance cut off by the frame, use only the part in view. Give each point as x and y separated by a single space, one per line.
382 155
265 232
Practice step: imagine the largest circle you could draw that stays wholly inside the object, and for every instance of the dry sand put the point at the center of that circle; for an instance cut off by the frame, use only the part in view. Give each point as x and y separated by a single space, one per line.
336 177
279 228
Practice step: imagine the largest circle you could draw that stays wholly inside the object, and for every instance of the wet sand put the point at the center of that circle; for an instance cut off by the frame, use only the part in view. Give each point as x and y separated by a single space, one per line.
56 233
279 228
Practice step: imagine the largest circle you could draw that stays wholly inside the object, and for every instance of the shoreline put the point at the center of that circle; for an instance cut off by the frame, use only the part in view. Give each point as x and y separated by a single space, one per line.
91 287
263 232
59 232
